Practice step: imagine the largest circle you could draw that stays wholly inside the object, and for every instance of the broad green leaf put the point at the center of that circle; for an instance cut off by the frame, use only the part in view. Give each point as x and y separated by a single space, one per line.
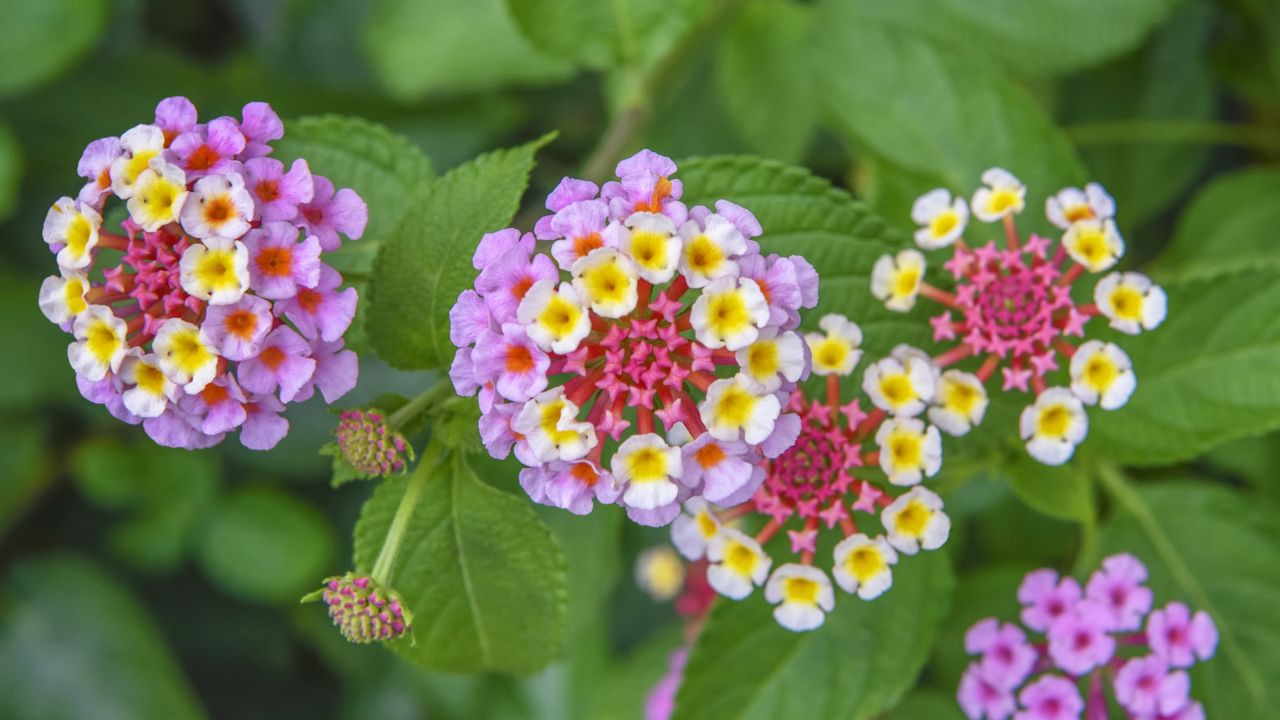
1230 226
766 87
10 171
1064 492
1252 459
26 469
1169 80
858 664
389 172
943 112
1040 38
1216 550
164 493
618 33
416 47
74 643
426 262
926 705
39 40
483 576
988 591
266 546
804 215
1210 373
40 360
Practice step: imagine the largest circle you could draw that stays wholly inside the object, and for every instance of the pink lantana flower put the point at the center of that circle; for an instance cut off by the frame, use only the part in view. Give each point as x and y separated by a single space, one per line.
604 348
210 279
1087 643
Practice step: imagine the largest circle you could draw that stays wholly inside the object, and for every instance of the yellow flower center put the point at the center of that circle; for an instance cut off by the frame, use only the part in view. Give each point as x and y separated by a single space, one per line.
727 313
1127 303
762 359
149 378
707 525
944 223
1054 421
1091 244
73 296
1100 372
905 448
607 284
102 341
913 519
865 563
959 397
137 164
740 558
188 352
1076 213
647 465
78 233
906 282
559 316
1003 201
800 590
216 270
649 249
831 353
703 255
897 389
735 406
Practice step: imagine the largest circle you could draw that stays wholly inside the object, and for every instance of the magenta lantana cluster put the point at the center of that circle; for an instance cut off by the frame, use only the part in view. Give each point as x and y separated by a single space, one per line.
853 474
1013 306
212 307
1096 644
625 310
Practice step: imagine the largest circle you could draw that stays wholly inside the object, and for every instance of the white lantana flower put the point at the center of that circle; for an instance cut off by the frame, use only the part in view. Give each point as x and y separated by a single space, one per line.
737 564
942 219
896 279
837 351
802 594
1053 426
1102 374
863 565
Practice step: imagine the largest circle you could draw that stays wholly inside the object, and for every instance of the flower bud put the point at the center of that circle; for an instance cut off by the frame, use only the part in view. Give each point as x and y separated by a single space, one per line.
362 610
369 444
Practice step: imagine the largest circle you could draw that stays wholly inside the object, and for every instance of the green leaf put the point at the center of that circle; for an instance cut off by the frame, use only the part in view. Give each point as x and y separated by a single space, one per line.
1041 38
618 33
804 215
75 643
41 358
755 71
988 591
416 47
948 113
165 493
1218 551
483 576
266 546
1064 492
10 171
426 263
40 40
1169 80
1210 373
858 664
926 705
389 172
1230 226
25 467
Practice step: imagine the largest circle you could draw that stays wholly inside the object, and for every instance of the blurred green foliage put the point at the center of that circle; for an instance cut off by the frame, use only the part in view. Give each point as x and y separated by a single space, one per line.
138 582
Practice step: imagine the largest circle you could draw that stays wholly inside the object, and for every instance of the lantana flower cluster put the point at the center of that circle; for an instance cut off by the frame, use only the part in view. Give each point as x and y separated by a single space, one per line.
213 307
622 312
852 473
1014 307
1080 647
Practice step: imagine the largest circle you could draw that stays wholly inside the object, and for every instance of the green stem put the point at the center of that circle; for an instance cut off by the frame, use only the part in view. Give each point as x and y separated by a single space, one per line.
384 567
424 400
641 88
1176 132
